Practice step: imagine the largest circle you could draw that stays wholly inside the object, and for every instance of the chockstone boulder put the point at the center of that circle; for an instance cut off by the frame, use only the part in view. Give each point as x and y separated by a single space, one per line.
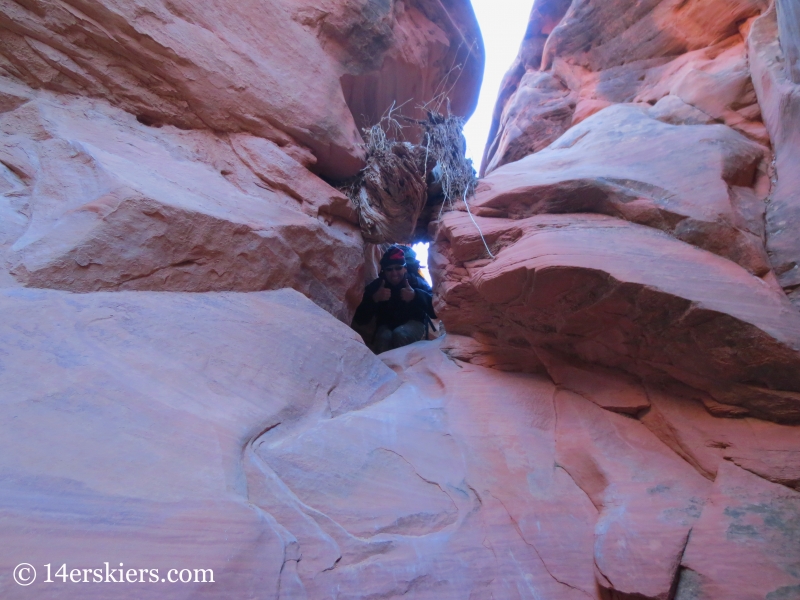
613 413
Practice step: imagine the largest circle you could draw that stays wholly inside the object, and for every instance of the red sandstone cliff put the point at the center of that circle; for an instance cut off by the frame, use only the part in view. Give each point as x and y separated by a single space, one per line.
613 412
640 206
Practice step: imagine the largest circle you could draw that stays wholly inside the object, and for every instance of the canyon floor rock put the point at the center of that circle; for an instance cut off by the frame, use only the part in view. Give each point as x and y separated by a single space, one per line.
311 465
613 412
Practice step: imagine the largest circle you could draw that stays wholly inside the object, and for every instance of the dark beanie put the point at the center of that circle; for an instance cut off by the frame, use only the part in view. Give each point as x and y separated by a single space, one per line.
393 256
411 257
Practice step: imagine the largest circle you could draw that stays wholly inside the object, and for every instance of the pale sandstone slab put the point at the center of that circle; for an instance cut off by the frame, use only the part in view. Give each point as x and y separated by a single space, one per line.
609 389
671 109
680 420
506 431
468 502
165 414
647 497
255 435
126 419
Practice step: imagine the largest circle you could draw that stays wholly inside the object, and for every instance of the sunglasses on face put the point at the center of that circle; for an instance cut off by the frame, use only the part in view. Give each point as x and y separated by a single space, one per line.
395 268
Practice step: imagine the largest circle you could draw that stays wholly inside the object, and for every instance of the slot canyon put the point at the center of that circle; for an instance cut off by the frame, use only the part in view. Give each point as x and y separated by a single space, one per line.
613 412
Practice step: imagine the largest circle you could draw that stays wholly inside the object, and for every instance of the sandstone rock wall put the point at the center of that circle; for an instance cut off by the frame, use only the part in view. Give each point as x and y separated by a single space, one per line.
634 241
613 411
269 68
177 146
103 202
158 430
634 195
729 63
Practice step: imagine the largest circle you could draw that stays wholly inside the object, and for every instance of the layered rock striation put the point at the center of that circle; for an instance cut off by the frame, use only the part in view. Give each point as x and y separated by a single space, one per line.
287 72
638 230
613 413
164 146
632 241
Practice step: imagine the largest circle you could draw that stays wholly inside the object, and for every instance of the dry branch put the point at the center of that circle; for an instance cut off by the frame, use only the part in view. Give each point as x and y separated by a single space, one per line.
391 192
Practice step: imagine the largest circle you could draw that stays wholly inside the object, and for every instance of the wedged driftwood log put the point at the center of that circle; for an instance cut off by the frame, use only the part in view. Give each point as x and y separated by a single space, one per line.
391 192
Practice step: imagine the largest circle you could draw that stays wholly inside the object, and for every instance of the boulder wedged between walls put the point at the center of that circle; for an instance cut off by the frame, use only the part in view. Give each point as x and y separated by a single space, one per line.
184 147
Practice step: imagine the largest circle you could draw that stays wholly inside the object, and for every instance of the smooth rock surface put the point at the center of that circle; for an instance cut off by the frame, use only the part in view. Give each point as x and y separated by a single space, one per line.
648 499
149 403
613 413
779 97
611 390
682 120
253 434
756 522
705 441
540 112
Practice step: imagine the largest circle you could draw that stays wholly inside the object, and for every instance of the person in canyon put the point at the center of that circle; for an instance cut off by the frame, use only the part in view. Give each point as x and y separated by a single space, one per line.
401 301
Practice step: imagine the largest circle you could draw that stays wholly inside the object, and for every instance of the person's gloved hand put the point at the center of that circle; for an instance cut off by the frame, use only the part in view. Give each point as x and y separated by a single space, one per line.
382 294
407 293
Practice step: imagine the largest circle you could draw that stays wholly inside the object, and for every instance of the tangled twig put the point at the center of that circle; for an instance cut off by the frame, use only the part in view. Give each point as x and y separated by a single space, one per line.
390 193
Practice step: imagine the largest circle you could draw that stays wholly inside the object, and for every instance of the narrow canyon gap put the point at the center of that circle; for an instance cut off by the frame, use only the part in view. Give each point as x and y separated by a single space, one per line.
614 412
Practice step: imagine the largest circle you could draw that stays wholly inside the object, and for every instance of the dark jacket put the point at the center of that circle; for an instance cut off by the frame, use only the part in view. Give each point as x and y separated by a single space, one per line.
394 312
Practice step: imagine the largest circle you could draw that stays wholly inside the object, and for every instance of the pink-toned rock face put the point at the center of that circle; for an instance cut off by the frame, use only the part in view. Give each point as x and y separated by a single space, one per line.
648 500
756 522
254 435
735 65
705 441
775 75
613 413
176 146
541 110
634 240
665 132
149 402
626 296
697 182
283 70
113 204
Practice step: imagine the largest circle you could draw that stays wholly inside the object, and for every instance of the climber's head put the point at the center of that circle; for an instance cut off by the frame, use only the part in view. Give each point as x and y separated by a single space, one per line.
393 265
412 264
